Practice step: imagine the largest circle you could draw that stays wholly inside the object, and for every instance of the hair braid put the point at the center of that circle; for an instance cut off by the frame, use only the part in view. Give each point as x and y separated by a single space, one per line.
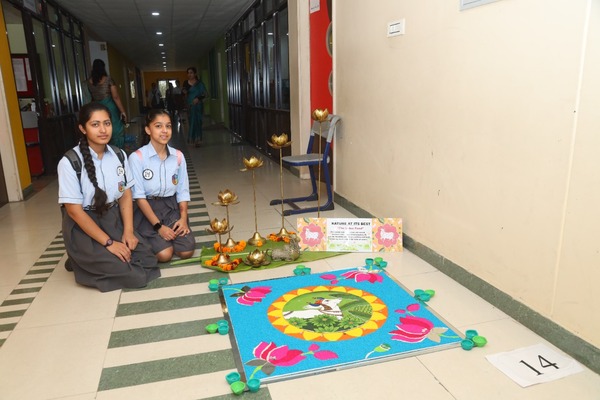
99 195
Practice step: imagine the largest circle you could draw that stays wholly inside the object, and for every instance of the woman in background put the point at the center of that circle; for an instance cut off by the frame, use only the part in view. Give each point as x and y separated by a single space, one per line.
103 250
104 90
195 92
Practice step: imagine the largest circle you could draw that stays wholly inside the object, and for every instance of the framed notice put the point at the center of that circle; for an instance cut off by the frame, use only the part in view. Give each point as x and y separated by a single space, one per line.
350 234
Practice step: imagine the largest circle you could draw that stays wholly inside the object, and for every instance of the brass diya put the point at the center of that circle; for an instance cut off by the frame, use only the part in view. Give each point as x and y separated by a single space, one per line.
257 258
279 142
227 198
219 228
251 165
320 116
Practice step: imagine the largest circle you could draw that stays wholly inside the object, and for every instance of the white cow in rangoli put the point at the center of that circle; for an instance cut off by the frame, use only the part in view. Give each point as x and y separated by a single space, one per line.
322 307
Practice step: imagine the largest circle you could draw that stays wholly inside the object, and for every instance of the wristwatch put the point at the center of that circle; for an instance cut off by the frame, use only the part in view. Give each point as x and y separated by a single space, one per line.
109 242
157 226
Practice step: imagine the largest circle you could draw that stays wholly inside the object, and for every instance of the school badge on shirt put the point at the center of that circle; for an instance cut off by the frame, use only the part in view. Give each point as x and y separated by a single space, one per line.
147 174
122 186
175 179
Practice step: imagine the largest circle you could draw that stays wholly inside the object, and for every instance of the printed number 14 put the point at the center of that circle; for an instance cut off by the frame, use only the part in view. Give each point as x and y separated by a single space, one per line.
543 363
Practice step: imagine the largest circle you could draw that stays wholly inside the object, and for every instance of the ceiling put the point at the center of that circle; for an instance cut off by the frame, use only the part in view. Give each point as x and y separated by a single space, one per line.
189 28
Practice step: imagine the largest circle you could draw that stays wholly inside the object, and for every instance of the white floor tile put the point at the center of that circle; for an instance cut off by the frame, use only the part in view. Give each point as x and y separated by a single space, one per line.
54 361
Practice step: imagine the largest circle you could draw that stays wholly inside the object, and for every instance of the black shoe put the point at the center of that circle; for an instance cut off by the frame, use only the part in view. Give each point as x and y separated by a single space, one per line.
69 265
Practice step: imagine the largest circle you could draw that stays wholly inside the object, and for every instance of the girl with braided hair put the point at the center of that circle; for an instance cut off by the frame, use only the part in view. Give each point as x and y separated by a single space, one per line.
103 249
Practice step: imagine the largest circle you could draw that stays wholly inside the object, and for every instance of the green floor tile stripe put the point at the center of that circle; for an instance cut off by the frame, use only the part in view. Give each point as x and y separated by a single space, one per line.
162 370
197 224
15 302
12 314
40 271
180 330
51 255
198 214
40 263
175 303
202 276
32 280
7 327
2 342
26 290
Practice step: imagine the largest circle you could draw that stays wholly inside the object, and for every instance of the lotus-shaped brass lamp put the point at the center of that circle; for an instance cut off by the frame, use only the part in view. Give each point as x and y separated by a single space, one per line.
226 197
279 141
251 164
257 258
320 115
219 227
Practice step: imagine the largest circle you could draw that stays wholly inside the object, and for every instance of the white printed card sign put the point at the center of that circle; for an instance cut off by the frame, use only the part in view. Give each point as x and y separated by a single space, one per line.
535 364
350 234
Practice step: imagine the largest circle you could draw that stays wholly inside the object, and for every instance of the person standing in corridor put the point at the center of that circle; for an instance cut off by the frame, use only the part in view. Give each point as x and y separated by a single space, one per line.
195 93
104 90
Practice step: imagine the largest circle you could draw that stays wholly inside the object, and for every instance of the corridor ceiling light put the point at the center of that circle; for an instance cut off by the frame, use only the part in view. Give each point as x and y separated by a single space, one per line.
159 33
161 44
155 13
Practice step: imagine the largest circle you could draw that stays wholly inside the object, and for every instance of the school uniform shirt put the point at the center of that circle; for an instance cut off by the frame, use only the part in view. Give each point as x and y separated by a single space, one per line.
112 176
158 178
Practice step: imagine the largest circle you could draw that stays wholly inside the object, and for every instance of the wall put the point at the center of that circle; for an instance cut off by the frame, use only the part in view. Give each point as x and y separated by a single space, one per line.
123 71
480 129
154 76
218 102
300 66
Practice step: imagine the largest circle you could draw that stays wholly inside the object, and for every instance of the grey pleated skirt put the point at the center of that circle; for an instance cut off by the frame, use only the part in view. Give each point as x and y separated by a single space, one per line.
95 266
167 211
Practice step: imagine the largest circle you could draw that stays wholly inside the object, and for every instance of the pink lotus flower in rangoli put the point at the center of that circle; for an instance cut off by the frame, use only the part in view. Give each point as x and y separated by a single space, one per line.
278 355
412 329
269 355
248 296
415 329
312 235
387 235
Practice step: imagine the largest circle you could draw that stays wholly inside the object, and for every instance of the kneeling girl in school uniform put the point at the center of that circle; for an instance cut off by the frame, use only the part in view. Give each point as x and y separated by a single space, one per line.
95 192
161 191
